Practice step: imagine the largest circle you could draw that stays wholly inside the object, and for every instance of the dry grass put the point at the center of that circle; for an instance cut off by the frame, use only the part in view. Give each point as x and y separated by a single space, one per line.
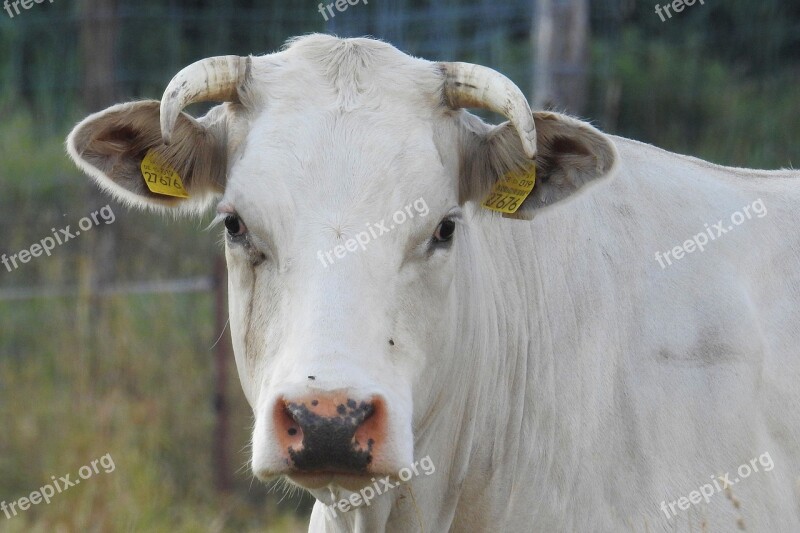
135 382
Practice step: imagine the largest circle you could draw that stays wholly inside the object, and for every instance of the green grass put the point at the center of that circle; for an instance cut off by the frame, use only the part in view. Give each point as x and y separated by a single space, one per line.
131 379
677 96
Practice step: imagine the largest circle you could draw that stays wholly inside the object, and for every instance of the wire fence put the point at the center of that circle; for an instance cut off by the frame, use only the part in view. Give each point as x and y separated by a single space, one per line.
214 284
40 54
177 286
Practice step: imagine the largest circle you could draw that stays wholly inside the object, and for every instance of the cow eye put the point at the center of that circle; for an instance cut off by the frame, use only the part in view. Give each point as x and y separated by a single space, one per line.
444 231
235 226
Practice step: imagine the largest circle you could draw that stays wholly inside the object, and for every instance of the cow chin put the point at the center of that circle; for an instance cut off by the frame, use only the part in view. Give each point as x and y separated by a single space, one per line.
322 481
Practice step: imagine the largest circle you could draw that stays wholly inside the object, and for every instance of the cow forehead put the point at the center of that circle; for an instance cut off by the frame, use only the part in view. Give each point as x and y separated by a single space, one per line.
342 129
352 166
324 72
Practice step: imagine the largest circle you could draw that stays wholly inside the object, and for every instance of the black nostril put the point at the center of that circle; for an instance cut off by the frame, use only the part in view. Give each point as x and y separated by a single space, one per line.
328 442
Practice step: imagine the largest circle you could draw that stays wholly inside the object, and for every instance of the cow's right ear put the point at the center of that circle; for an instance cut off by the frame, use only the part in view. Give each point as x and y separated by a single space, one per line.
109 146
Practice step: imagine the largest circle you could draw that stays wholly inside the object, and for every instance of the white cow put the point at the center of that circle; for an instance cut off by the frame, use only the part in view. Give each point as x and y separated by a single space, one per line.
609 365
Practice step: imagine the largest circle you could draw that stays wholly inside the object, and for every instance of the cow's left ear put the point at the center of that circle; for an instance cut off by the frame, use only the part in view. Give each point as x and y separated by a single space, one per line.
570 155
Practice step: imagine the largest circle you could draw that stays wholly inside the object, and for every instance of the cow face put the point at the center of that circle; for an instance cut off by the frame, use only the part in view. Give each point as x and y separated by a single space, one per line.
345 177
339 249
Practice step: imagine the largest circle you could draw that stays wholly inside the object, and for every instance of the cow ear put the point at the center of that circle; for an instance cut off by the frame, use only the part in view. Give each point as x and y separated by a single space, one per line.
109 146
571 155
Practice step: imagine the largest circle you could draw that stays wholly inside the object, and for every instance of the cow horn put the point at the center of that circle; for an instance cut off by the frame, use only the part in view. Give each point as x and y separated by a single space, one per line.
215 79
469 85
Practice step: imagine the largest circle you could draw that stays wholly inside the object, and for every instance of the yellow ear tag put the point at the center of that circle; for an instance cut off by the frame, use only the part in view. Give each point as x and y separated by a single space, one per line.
510 191
160 177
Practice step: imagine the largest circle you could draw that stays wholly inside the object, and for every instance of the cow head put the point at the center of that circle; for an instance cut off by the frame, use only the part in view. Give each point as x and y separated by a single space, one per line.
346 175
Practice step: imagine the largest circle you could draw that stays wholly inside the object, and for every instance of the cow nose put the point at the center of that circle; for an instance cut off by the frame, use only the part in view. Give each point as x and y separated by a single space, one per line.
330 432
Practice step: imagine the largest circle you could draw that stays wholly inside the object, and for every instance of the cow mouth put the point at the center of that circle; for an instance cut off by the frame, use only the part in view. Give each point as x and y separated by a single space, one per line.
325 479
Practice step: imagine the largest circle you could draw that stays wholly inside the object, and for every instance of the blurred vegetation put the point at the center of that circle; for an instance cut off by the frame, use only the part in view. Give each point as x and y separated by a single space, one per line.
125 375
134 379
684 101
137 391
717 81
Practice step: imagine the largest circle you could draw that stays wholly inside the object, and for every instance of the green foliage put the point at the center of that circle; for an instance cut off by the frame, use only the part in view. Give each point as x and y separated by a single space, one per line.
31 162
679 96
755 37
130 379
